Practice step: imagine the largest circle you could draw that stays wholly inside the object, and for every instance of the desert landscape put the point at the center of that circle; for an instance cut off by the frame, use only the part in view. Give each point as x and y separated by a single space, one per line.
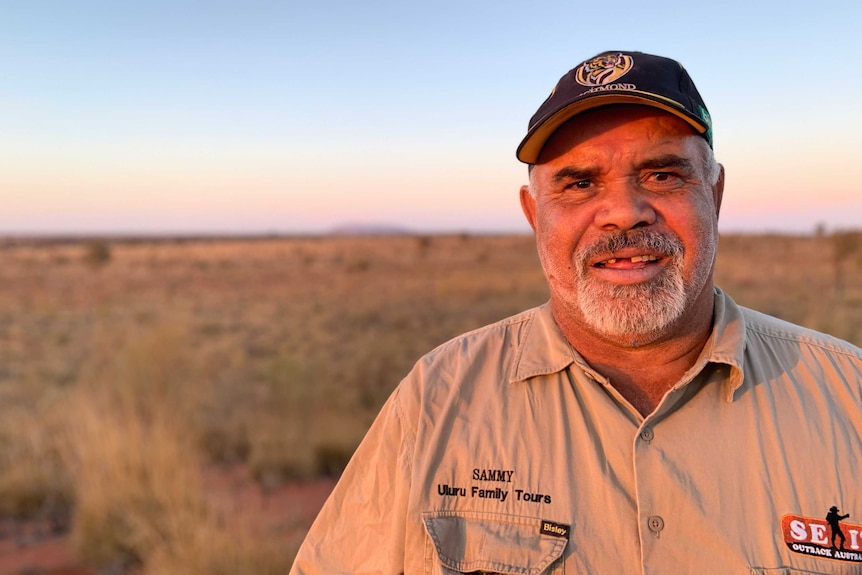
184 406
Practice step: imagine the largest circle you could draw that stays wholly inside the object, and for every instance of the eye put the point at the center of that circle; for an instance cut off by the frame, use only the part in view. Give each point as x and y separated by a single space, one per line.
578 188
664 180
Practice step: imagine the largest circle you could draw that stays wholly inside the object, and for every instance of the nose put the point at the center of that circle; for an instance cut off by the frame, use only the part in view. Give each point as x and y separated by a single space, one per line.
625 207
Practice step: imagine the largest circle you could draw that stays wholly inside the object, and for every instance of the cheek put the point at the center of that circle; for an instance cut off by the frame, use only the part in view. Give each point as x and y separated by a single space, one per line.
554 234
559 234
564 224
691 216
697 227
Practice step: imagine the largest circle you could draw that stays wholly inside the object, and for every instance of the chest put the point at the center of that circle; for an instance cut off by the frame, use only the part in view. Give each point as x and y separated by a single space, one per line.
579 486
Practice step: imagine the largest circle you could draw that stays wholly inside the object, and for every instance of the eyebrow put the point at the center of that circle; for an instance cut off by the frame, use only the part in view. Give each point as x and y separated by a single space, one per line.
574 173
666 161
655 163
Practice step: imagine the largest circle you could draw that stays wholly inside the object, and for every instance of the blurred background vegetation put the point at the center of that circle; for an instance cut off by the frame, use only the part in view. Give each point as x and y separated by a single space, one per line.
133 371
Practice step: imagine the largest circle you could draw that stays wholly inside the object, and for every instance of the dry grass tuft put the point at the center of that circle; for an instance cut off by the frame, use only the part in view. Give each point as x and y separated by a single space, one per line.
139 500
214 548
136 479
35 482
97 253
846 245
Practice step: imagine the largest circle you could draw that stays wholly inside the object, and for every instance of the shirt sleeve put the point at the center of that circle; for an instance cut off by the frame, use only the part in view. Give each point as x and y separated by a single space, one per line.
361 528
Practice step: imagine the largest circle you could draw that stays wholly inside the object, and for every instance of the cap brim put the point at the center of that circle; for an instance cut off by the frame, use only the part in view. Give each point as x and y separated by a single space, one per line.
531 146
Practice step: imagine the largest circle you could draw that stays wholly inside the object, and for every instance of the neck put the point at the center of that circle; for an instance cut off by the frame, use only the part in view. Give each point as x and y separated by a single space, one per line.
643 371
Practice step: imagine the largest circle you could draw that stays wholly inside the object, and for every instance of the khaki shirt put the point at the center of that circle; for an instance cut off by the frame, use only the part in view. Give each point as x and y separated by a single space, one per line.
503 451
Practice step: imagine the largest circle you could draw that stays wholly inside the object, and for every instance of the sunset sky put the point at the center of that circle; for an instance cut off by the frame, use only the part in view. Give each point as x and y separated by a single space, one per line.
254 117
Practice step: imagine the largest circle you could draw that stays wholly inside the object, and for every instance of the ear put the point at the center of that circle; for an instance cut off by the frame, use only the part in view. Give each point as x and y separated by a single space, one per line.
718 190
528 204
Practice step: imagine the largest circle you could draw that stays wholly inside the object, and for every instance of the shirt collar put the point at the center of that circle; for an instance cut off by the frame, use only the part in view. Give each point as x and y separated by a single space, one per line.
727 340
545 350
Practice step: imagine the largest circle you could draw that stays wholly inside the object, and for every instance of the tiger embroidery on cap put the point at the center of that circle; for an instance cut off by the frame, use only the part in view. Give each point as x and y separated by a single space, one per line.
603 69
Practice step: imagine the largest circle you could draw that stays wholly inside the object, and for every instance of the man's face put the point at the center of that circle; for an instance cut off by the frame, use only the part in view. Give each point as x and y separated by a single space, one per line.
625 217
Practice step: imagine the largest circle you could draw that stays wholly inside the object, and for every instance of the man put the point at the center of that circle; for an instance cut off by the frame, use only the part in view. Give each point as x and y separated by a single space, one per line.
641 421
834 519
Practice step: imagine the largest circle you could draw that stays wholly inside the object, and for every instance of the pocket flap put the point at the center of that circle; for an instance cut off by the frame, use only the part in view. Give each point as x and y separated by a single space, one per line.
468 541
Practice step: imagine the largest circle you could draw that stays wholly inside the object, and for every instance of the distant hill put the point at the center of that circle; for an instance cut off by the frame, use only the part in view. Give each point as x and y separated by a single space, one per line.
369 229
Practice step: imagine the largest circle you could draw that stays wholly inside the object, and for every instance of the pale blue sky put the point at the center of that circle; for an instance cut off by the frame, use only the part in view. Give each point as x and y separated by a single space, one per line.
258 117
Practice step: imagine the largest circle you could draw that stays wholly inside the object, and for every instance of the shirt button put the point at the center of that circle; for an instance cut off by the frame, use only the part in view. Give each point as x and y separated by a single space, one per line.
647 434
655 524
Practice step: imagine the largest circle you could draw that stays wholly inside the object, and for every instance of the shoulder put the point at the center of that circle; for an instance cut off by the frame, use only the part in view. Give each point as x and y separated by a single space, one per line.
779 351
499 340
464 372
484 358
767 330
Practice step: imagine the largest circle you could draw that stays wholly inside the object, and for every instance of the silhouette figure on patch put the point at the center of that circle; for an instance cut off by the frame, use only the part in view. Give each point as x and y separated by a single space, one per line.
832 518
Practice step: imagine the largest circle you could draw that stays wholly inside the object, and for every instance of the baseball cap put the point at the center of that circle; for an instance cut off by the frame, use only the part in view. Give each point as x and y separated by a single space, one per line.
617 77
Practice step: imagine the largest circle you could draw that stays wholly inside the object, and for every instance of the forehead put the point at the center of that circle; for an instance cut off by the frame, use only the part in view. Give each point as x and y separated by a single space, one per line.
621 128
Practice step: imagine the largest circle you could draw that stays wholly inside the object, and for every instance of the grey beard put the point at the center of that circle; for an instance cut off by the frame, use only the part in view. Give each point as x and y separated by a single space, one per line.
638 311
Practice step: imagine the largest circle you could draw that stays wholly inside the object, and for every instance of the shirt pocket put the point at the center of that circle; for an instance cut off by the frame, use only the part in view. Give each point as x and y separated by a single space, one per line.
469 542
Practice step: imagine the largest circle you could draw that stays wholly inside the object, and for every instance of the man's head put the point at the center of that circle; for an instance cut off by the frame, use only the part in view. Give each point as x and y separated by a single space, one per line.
616 77
624 199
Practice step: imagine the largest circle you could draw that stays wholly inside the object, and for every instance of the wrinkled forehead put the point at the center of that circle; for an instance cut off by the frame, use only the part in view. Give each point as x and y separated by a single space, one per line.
621 125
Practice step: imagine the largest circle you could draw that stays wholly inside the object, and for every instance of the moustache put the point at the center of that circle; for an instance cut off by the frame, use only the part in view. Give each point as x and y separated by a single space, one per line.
651 241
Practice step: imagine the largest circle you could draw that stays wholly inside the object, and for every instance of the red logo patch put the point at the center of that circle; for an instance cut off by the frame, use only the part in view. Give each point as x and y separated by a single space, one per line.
830 538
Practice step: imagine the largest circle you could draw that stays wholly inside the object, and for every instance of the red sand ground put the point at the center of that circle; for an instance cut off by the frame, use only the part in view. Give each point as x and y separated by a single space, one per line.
31 548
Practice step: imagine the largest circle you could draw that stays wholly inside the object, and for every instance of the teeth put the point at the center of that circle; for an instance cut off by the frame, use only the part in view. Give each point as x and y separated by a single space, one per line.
635 259
644 259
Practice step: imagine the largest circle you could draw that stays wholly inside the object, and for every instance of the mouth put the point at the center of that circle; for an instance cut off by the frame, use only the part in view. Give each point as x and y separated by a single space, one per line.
631 257
628 262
